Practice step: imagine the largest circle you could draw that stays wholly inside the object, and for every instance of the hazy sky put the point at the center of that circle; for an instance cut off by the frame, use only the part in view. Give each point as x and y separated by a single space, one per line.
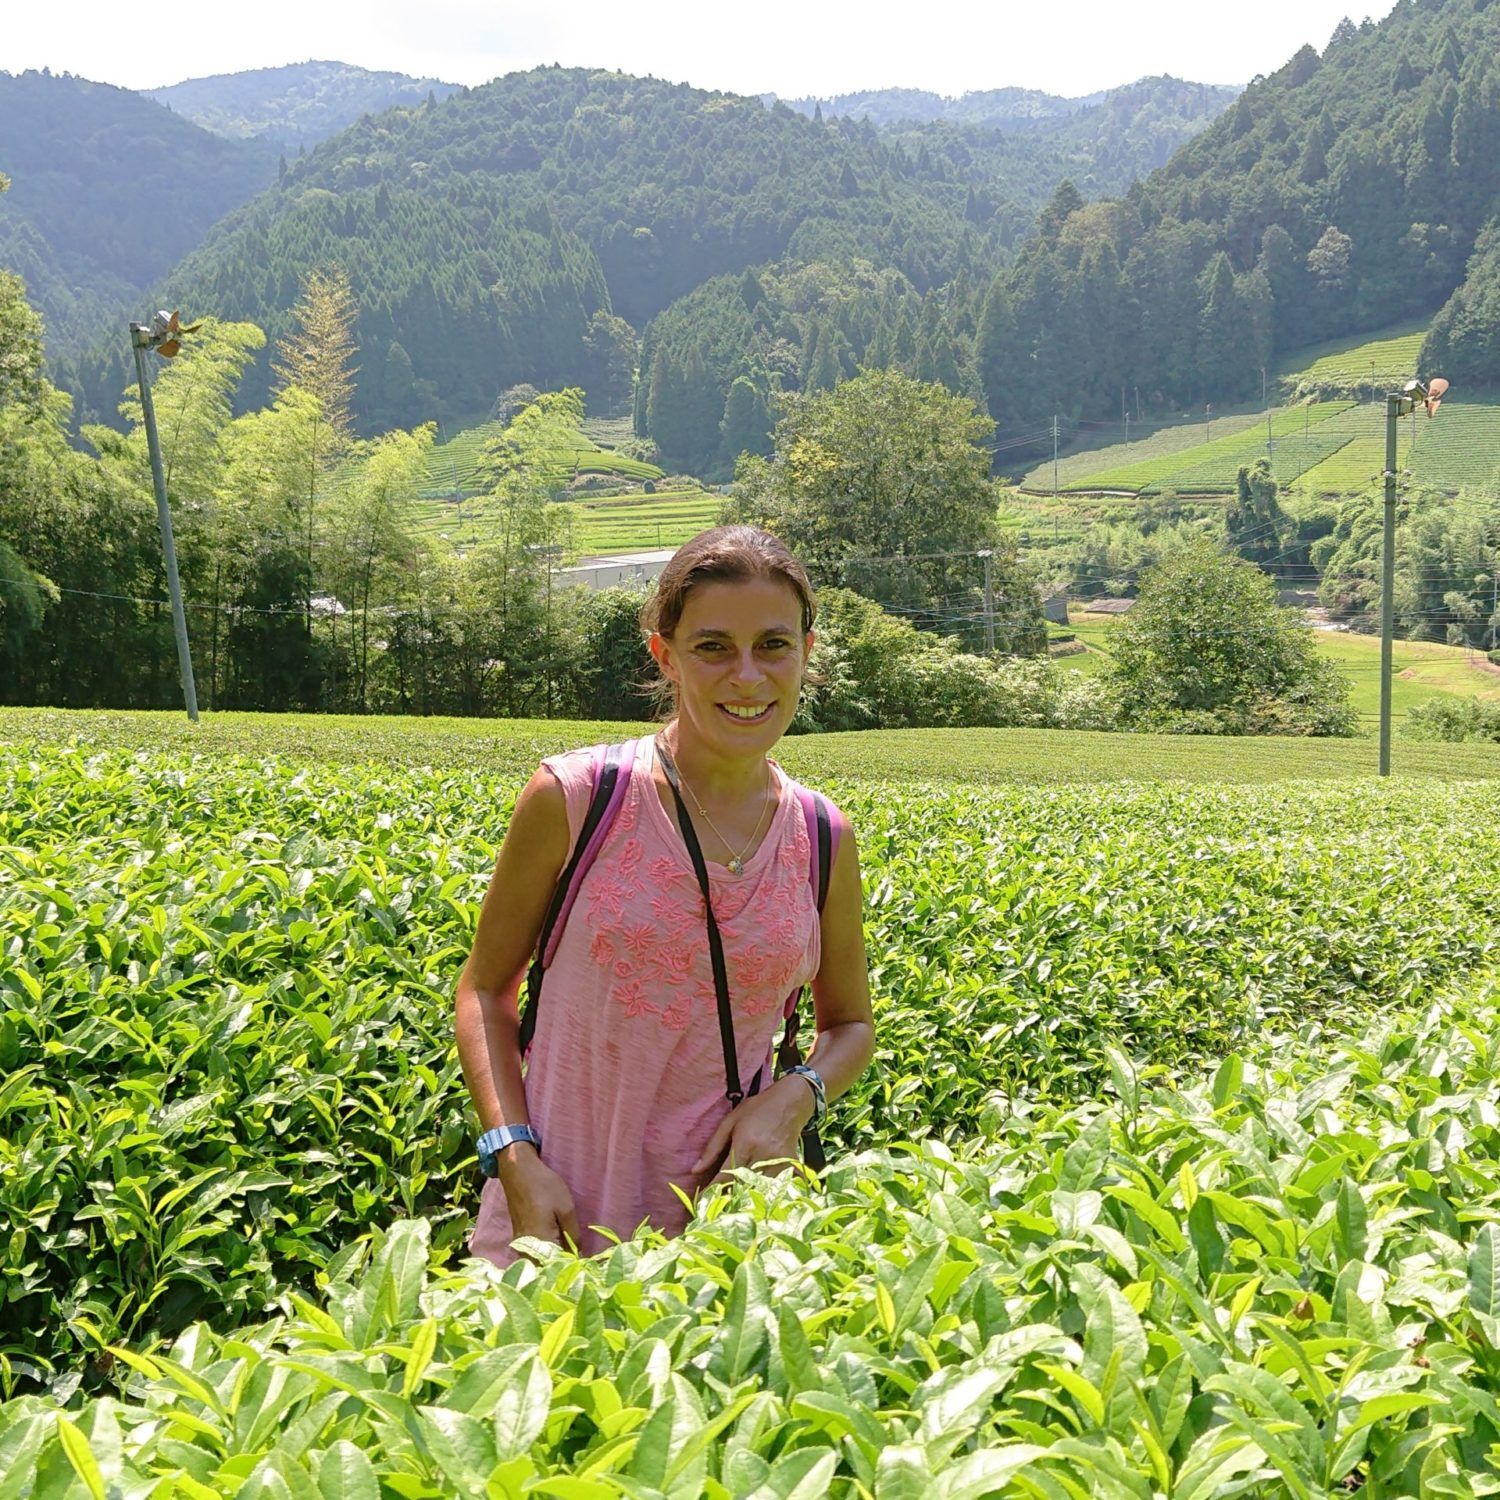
789 47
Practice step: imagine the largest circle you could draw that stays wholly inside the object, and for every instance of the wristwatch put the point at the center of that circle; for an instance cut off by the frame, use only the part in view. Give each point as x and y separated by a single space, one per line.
493 1142
820 1093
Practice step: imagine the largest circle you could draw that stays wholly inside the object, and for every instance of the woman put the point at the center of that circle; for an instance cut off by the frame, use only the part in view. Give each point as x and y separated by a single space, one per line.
624 1083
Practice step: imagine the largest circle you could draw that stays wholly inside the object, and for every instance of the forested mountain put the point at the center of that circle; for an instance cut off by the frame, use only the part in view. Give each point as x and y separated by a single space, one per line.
710 362
795 326
296 105
559 196
108 192
1184 108
1341 193
990 109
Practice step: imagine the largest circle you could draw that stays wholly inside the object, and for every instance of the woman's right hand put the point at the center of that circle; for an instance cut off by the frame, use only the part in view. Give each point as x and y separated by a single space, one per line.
539 1201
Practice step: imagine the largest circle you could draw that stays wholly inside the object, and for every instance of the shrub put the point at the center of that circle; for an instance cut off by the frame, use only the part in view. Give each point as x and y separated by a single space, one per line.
1208 649
874 670
1454 719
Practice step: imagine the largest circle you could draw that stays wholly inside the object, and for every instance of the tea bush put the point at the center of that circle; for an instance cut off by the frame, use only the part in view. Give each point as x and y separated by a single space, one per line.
225 991
1283 1281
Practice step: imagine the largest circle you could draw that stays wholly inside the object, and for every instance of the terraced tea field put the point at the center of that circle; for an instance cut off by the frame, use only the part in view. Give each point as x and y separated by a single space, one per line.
1461 445
984 757
1384 359
632 522
1325 448
1202 457
638 522
454 465
1329 446
1172 1172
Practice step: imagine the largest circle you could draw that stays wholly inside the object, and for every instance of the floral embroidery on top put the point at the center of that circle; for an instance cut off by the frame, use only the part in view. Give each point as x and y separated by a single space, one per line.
677 1015
663 871
639 938
649 937
612 882
673 914
632 995
674 959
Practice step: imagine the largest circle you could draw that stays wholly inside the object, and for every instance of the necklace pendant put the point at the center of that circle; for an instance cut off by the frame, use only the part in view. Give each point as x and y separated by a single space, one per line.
735 867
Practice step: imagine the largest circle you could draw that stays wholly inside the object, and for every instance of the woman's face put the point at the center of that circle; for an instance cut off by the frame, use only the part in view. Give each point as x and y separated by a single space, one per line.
737 658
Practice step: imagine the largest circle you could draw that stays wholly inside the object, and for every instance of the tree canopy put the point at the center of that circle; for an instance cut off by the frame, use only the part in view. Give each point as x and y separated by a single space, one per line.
1208 649
882 485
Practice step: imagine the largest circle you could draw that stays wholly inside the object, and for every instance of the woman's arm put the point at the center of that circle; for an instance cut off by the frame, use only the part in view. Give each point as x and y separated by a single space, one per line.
486 1015
768 1126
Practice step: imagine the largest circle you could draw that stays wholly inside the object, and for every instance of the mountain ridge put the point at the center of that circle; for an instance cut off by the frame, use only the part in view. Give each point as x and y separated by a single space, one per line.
1011 107
293 104
108 191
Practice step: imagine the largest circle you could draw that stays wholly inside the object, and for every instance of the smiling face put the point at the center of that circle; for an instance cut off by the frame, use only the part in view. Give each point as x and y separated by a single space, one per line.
736 659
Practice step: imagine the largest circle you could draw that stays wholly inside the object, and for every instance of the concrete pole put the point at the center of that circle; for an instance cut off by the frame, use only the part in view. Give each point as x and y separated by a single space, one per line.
989 601
1388 581
140 340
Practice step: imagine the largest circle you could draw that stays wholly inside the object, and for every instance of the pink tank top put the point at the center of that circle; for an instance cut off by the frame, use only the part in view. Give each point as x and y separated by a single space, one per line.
625 1080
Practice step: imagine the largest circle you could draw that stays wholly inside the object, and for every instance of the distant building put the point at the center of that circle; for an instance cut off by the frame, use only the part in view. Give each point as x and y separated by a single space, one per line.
1055 607
628 570
1107 606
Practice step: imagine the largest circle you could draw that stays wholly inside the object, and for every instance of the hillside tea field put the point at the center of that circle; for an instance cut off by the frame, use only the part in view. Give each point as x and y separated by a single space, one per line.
1066 1247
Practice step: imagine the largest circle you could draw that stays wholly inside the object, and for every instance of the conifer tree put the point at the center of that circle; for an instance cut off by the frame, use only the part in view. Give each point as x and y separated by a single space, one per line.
318 356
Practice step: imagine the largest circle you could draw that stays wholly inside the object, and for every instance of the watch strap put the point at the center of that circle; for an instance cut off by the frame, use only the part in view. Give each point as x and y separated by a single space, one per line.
820 1090
493 1142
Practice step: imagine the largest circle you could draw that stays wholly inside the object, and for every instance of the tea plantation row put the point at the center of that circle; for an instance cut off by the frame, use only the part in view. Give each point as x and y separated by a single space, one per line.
225 991
1283 1281
969 756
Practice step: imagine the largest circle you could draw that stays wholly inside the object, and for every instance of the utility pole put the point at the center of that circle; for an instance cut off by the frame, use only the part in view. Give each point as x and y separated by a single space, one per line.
1265 403
989 600
1388 580
163 335
1054 455
1397 404
1208 421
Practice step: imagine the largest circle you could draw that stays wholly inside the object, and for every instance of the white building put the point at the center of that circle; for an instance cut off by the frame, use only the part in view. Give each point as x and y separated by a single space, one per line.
628 570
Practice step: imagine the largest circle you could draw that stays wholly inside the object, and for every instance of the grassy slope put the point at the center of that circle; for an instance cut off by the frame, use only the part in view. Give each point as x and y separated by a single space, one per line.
963 755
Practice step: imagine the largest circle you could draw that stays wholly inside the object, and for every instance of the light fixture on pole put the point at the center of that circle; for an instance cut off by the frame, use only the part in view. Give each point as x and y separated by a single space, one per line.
1397 405
164 335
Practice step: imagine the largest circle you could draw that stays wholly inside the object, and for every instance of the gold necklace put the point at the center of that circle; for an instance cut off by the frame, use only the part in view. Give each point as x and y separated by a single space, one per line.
736 865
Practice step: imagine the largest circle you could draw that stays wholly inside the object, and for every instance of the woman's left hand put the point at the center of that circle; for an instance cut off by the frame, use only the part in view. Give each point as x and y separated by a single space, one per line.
765 1127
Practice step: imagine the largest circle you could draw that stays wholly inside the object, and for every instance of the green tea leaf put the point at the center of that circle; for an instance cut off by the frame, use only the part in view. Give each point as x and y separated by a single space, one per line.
344 1473
80 1457
522 1407
1484 1271
902 1473
986 1471
1350 1220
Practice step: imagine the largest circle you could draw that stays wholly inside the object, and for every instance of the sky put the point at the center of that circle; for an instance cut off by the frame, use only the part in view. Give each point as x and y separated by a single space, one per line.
787 47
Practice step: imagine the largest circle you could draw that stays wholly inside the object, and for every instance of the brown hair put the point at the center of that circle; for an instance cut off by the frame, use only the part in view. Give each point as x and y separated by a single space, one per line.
726 554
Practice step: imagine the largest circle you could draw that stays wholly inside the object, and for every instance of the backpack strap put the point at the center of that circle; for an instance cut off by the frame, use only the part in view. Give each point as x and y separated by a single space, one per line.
824 828
611 775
